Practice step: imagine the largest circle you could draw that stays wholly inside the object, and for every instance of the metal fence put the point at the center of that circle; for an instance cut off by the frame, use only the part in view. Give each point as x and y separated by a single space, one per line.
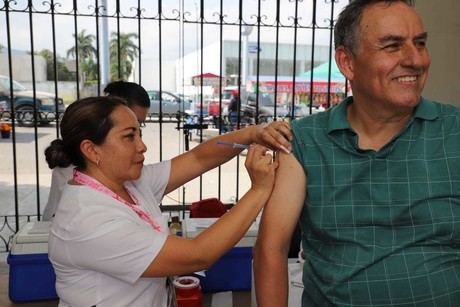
261 47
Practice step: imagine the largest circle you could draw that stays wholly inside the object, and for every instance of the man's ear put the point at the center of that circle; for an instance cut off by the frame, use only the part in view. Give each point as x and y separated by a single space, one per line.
89 150
344 60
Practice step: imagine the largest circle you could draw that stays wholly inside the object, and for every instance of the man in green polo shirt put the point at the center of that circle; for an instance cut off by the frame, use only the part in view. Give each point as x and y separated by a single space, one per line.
380 213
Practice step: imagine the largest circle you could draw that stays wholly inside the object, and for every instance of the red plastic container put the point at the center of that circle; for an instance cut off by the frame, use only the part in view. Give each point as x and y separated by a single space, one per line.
188 291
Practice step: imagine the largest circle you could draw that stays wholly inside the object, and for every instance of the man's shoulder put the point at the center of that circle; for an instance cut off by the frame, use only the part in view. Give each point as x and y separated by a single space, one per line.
446 112
448 108
313 120
435 111
442 106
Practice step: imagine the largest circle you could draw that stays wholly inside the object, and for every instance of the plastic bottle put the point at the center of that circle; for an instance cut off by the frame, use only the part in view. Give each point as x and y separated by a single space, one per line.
175 227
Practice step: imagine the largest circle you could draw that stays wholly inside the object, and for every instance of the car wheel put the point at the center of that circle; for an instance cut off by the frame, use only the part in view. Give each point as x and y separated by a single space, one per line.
265 119
247 120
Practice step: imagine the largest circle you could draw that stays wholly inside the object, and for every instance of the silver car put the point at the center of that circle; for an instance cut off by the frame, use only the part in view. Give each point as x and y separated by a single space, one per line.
171 104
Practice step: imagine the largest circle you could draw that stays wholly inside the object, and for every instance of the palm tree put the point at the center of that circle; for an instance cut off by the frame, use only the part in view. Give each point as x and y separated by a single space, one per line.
85 51
128 52
90 68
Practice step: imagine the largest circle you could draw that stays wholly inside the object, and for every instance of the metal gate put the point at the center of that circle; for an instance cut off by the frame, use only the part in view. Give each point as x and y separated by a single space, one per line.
198 50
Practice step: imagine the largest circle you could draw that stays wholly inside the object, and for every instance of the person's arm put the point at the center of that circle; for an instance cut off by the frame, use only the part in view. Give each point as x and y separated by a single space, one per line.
279 220
181 255
210 154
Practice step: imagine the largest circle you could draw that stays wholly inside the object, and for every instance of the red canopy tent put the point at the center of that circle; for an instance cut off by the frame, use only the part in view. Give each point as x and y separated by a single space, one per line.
209 79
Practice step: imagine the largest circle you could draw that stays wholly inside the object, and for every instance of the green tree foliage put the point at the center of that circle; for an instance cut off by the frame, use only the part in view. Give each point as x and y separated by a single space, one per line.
86 52
63 73
128 52
90 68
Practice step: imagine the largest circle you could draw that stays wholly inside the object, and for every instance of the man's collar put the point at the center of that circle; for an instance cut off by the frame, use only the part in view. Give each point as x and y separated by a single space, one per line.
338 119
426 109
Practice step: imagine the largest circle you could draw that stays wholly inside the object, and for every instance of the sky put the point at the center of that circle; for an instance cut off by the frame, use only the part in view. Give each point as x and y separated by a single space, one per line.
175 40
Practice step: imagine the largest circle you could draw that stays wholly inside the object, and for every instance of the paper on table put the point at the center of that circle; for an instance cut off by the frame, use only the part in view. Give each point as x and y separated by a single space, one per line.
222 299
296 272
200 273
204 222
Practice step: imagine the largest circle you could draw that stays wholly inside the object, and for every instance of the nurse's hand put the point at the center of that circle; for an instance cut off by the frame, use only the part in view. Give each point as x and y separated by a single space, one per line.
261 168
275 135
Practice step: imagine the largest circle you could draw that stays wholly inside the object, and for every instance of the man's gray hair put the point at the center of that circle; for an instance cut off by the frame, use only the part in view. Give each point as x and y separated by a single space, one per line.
347 31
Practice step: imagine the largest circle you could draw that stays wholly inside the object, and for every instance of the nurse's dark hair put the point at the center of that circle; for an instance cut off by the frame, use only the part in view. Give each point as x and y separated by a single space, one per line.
347 29
85 119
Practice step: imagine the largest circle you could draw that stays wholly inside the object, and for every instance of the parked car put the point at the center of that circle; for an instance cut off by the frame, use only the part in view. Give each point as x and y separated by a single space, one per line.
200 109
3 106
266 108
214 105
24 107
225 97
263 108
171 104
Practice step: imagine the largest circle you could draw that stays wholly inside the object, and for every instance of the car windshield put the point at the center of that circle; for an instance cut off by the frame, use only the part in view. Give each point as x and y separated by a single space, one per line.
227 95
265 99
5 85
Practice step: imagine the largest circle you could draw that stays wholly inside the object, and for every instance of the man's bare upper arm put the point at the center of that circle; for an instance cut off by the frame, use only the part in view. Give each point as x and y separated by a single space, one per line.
281 214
